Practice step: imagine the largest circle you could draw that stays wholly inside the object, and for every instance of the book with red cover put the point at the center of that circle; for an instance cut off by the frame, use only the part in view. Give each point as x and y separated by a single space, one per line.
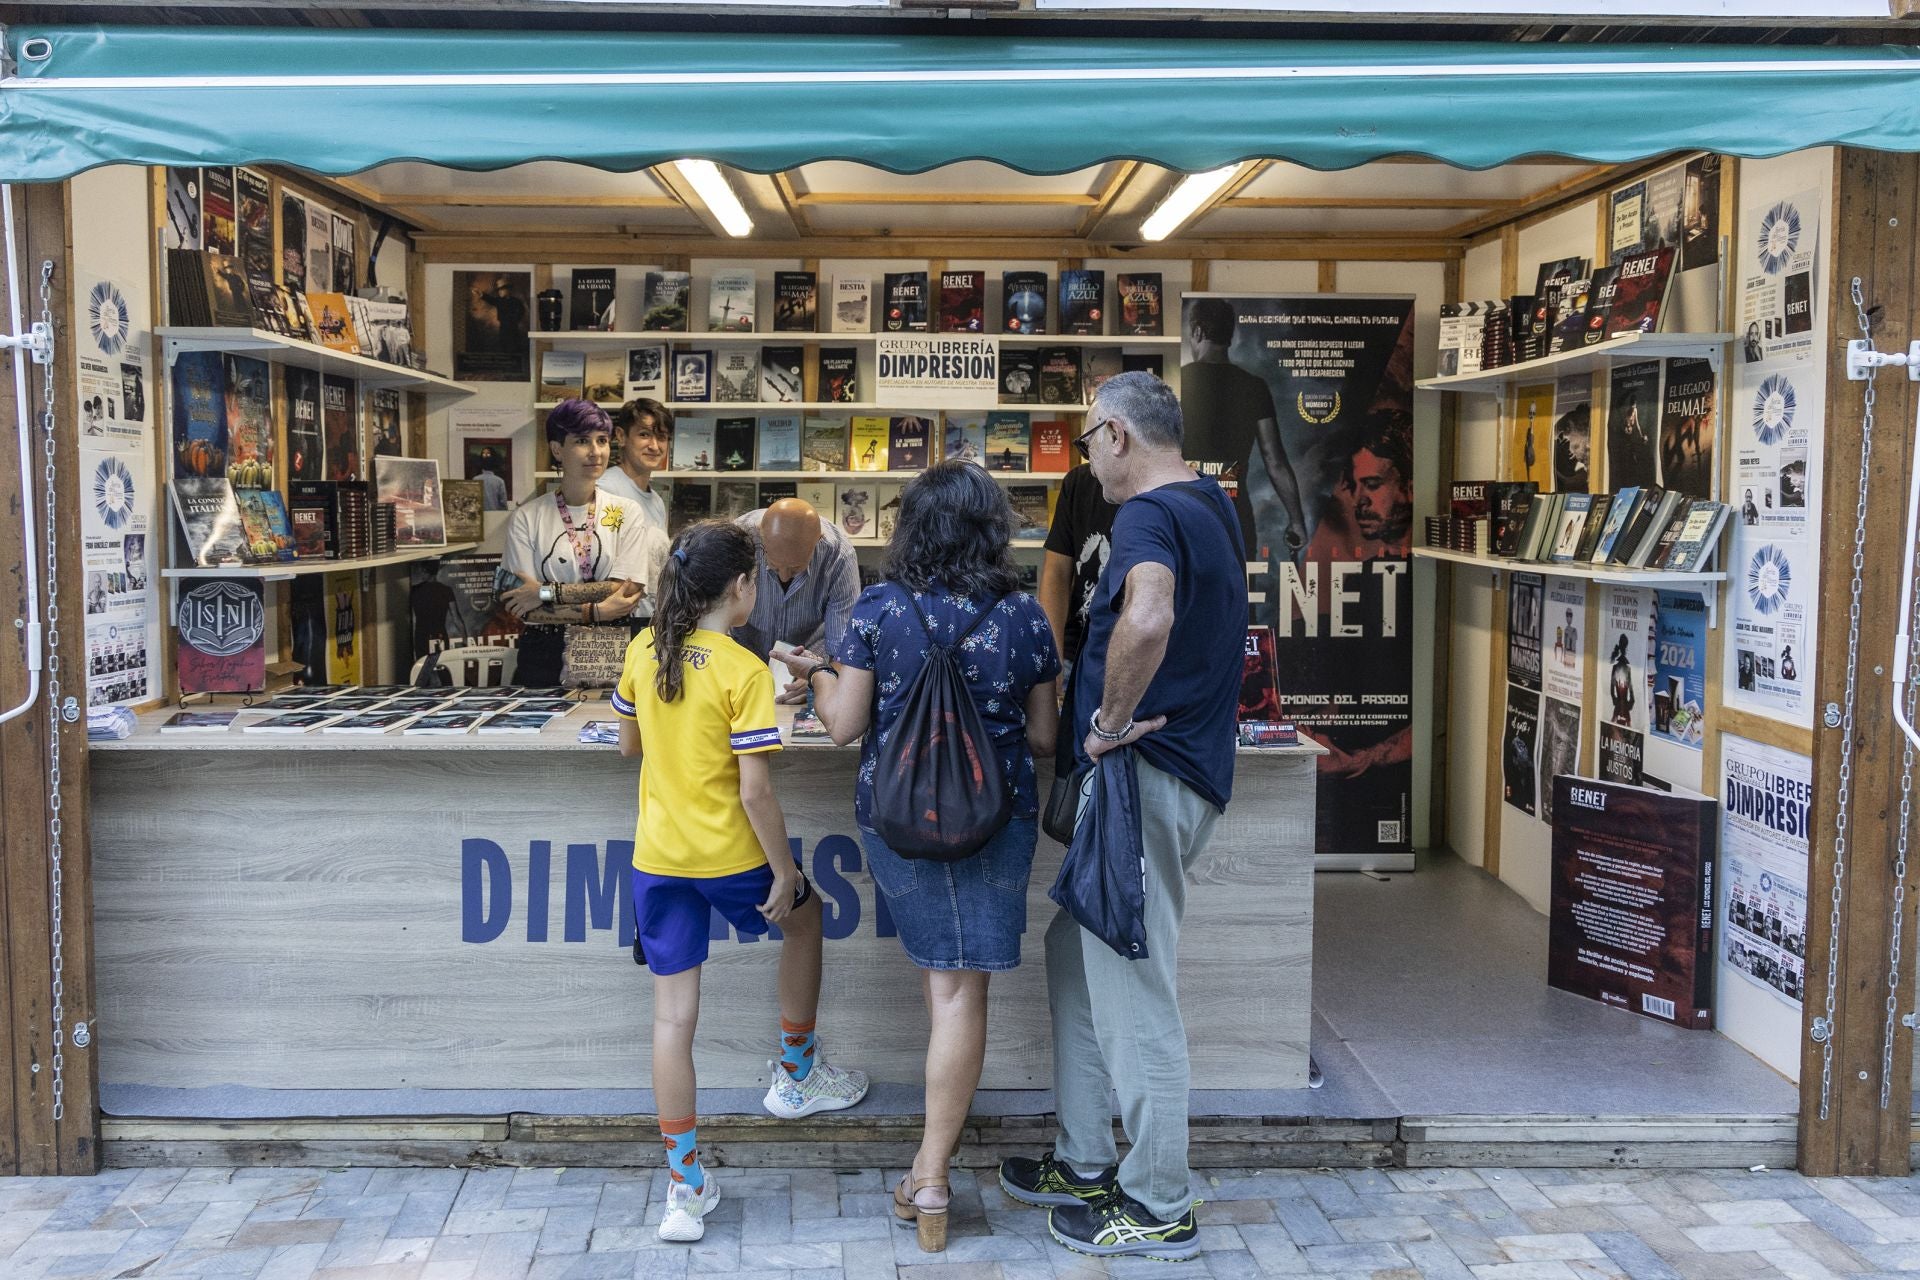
1470 500
1640 285
223 636
963 301
1052 444
1259 679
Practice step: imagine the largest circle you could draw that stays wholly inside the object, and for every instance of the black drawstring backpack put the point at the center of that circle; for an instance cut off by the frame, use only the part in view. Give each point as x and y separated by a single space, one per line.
939 793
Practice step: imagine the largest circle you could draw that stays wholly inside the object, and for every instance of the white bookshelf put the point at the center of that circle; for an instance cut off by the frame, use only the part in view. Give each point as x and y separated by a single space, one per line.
1010 477
275 349
737 408
1704 584
1628 346
663 337
281 570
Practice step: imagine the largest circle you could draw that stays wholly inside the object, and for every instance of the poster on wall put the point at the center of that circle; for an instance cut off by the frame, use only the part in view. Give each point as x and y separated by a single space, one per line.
1525 600
1678 705
110 368
1633 416
1780 235
117 528
1517 758
1688 421
1559 749
1529 435
1767 796
1572 433
495 447
490 310
1623 703
1565 615
1631 917
1302 407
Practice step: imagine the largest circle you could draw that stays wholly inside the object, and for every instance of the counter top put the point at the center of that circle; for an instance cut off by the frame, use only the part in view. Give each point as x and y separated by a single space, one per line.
560 734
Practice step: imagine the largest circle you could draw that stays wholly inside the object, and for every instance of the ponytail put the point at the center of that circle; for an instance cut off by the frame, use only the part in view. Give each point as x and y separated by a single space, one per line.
705 560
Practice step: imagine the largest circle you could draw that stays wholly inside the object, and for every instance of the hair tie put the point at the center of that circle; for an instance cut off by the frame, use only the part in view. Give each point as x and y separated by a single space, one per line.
680 554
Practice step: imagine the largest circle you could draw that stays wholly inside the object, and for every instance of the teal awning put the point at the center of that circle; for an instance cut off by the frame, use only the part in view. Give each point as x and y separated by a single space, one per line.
338 101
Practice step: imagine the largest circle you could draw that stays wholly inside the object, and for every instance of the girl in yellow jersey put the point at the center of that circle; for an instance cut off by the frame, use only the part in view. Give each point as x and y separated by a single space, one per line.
711 837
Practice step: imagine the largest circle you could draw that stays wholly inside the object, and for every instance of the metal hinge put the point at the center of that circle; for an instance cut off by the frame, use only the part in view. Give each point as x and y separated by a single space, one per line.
37 340
1822 1030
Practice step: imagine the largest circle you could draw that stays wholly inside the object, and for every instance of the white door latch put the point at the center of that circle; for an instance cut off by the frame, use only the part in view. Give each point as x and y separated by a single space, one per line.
1861 357
38 340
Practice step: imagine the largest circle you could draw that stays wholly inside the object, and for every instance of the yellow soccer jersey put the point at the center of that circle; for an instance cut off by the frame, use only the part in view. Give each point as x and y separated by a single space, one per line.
691 820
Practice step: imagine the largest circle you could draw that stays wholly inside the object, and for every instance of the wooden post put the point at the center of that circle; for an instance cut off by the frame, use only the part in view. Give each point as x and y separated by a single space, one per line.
31 1141
1843 1128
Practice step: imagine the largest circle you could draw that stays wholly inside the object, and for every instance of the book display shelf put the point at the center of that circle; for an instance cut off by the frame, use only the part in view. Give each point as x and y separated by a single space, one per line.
282 351
1593 359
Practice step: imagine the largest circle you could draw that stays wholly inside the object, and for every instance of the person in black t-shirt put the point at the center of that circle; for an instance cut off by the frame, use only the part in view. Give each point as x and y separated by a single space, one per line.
1078 544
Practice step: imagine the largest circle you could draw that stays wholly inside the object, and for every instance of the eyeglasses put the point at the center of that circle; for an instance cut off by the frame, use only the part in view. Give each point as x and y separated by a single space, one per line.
1080 441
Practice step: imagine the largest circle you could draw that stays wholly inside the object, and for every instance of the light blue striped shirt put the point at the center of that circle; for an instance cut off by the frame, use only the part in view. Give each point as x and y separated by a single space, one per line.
812 610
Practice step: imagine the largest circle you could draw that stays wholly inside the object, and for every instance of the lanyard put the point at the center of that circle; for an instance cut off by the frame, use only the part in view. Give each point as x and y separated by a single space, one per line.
580 540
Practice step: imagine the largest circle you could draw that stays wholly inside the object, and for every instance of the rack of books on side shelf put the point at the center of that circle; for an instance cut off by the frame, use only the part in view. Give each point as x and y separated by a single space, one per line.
296 353
682 337
1586 359
277 570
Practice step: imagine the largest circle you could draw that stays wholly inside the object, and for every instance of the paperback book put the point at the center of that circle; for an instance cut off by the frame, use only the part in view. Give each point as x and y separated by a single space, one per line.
857 513
693 445
779 446
1060 375
733 498
795 302
781 378
1007 441
1023 302
1051 446
1083 302
1030 509
199 414
667 301
199 722
852 304
869 446
733 444
907 442
646 374
839 375
692 376
606 376
210 520
1097 364
906 302
1019 375
692 503
731 301
823 444
1640 287
1137 297
263 518
592 298
563 375
963 301
736 375
306 441
966 438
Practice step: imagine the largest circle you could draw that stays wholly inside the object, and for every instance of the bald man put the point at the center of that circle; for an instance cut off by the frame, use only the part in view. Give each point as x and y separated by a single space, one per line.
809 580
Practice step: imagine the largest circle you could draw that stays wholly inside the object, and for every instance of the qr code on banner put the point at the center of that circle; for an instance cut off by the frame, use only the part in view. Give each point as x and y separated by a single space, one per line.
1387 832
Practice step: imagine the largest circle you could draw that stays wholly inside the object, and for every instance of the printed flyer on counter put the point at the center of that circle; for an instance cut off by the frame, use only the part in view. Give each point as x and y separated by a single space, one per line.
1766 797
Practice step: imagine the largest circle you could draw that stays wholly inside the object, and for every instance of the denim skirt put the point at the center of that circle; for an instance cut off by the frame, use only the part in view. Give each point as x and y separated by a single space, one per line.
959 915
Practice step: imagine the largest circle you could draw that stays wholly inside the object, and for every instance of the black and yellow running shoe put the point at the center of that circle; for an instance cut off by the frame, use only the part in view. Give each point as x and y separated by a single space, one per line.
1117 1225
1046 1182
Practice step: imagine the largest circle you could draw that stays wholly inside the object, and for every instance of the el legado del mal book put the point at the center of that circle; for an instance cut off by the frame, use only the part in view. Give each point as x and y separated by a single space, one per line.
1631 919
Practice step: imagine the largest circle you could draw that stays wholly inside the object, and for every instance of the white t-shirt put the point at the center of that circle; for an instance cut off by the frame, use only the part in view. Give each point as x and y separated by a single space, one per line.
626 546
617 482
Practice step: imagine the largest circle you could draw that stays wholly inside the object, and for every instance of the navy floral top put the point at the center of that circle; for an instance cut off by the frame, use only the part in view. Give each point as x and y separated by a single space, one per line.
1007 654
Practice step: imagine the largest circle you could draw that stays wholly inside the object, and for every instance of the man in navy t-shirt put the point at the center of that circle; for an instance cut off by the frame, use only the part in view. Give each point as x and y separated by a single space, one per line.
1160 670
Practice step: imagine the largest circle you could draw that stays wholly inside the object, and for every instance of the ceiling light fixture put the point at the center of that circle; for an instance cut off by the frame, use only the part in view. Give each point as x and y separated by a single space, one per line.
1194 190
706 179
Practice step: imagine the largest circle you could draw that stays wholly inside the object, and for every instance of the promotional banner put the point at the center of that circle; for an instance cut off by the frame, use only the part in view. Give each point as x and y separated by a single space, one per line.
936 370
1767 794
1302 408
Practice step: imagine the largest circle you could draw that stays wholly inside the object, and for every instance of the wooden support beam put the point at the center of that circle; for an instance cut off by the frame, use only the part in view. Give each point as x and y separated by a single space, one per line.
790 201
31 1141
1371 202
1123 173
946 198
1843 1127
529 200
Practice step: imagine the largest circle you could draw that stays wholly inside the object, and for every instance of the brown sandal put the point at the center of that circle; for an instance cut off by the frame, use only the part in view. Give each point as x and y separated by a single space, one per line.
930 1224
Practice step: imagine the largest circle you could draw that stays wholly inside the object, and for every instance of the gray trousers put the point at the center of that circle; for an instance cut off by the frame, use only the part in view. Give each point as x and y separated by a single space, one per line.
1116 1023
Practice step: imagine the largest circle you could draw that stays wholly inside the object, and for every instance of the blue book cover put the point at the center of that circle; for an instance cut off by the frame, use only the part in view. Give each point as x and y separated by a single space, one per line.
1617 516
199 416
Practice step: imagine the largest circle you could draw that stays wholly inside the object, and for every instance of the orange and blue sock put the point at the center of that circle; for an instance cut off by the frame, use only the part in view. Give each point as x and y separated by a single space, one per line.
683 1152
796 1048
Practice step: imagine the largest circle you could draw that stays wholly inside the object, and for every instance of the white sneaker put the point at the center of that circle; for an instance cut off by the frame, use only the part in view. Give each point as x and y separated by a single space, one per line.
682 1223
826 1088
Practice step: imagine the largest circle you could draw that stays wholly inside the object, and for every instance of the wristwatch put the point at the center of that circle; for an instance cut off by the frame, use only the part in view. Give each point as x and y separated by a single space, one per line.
547 593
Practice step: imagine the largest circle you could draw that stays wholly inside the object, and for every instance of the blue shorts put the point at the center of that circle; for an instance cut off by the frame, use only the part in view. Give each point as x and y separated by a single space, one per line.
671 913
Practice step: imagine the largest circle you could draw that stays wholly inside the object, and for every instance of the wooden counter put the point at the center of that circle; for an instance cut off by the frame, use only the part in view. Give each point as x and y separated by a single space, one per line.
348 912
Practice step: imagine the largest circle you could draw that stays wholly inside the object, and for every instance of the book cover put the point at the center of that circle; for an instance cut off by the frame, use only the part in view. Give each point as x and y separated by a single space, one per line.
692 377
887 509
823 496
1019 375
852 304
1527 543
795 302
319 249
381 720
199 721
340 423
444 724
733 444
1007 441
668 301
514 722
646 374
1697 536
309 526
736 375
1470 499
411 486
1553 279
1023 302
823 444
1060 375
963 301
1570 319
1662 529
332 324
263 518
1051 446
781 378
858 511
1688 409
731 301
253 205
1136 295
868 451
199 414
1604 285
207 289
222 628
386 333
1097 364
344 255
692 503
563 375
1630 921
905 307
1640 285
606 376
306 439
1572 524
693 444
1030 504
839 375
771 491
1143 362
313 511
250 434
1597 516
1259 679
1646 511
1511 500
465 502
734 498
592 303
1083 308
908 442
294 722
779 447
209 519
218 231
965 438
1625 504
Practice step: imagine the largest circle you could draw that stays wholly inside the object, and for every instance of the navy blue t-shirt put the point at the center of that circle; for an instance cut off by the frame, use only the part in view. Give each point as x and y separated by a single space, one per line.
1186 528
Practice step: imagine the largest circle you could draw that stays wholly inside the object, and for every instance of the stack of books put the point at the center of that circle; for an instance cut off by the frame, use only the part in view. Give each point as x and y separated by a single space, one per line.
1638 527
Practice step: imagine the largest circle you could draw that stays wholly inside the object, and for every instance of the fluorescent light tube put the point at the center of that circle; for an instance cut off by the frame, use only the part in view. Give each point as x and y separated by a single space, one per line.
706 179
1194 190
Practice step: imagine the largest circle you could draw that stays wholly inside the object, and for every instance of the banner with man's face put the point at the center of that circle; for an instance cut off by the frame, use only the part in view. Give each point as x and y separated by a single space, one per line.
1302 408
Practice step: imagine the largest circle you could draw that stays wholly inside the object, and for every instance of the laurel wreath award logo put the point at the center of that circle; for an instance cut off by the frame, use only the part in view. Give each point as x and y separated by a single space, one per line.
1773 409
113 492
1769 575
1779 237
108 317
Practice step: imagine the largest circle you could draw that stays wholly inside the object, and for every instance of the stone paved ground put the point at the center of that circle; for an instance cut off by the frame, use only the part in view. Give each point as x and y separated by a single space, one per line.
452 1224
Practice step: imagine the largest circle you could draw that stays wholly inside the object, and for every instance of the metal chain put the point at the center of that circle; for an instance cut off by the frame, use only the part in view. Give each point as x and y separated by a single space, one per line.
55 849
1844 796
